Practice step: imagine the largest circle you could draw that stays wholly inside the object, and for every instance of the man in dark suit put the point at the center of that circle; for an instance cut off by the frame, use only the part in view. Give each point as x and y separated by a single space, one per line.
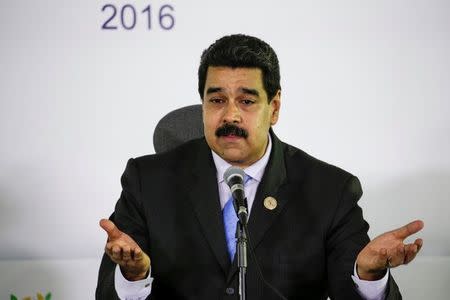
166 238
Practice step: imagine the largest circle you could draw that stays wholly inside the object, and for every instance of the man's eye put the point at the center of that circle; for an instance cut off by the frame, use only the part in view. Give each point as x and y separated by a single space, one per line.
216 100
247 101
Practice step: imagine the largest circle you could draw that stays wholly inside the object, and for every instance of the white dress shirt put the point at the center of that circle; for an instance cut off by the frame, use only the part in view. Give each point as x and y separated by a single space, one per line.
139 290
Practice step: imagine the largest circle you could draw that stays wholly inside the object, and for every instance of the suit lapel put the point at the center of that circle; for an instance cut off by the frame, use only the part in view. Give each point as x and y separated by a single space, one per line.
272 184
204 195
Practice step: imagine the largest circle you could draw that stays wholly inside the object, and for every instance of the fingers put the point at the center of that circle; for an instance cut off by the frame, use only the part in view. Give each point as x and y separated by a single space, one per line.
383 260
121 253
120 247
388 251
116 252
404 254
411 250
111 229
408 229
396 256
410 253
134 263
126 253
419 243
138 254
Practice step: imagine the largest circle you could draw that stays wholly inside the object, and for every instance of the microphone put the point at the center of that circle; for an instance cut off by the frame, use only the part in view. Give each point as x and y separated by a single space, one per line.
234 178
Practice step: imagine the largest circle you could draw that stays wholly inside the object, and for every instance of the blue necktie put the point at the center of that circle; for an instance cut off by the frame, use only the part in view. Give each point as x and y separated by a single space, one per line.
230 222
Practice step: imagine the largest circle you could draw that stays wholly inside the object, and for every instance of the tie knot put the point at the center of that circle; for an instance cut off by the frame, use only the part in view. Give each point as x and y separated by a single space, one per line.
247 178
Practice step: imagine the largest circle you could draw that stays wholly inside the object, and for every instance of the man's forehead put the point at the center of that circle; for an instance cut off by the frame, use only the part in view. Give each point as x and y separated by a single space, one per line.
223 75
243 80
230 68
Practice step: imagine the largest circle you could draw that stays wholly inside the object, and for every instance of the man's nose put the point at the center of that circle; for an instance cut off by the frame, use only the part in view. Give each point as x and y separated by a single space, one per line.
232 113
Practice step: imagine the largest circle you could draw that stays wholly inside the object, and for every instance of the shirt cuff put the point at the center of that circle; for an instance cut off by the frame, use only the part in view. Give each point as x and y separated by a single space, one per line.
132 290
371 290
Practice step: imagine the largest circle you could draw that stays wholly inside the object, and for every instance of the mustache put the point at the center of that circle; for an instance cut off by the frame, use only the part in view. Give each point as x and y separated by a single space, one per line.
230 129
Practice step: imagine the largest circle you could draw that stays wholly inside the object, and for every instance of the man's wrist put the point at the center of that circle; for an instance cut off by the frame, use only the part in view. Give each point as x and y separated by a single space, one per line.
131 276
370 275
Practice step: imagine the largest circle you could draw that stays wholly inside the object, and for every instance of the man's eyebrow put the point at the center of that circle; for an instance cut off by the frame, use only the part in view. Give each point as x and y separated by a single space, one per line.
253 92
212 90
244 90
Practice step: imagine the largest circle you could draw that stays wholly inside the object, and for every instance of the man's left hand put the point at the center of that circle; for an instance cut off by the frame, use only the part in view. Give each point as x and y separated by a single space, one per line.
388 251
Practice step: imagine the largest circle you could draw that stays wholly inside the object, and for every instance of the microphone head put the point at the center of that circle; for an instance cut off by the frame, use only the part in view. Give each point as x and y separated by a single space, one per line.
234 177
233 174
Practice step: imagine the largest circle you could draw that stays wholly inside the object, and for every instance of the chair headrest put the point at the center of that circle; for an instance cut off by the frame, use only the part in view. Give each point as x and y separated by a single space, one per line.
177 127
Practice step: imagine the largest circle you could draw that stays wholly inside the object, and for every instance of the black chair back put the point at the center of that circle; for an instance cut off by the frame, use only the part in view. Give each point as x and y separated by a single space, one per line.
177 127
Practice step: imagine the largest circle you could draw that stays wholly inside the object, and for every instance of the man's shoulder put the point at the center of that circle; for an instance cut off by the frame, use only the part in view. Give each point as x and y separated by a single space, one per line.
299 161
307 171
175 158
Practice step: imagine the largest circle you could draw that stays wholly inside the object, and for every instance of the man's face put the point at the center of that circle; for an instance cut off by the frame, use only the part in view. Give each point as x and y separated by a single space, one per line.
237 97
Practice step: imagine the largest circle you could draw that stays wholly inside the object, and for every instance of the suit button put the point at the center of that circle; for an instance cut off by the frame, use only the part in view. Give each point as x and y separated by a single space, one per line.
229 291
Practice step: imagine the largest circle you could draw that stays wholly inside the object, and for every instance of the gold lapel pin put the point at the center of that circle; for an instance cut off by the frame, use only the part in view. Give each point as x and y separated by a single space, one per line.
270 203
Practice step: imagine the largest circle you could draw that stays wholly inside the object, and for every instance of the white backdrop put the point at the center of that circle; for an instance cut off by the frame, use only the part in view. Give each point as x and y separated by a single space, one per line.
365 86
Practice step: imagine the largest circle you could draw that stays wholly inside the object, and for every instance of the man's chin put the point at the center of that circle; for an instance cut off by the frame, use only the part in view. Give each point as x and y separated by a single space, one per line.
231 138
233 157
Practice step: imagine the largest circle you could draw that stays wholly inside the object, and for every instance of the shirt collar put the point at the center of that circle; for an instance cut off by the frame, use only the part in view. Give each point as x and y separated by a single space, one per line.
255 171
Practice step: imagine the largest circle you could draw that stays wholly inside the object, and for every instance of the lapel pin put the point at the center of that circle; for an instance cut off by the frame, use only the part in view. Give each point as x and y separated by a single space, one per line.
270 203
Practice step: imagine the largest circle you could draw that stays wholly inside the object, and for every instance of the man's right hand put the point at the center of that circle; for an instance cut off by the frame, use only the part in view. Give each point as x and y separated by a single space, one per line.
124 251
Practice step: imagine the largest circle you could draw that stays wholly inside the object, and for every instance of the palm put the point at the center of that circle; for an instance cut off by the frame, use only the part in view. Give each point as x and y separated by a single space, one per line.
388 250
124 251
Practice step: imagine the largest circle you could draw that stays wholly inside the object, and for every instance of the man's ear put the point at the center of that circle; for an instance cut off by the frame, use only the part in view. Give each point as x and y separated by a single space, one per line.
275 105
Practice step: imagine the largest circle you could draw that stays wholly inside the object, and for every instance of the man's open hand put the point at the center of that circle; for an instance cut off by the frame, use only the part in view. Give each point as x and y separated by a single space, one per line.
124 251
388 251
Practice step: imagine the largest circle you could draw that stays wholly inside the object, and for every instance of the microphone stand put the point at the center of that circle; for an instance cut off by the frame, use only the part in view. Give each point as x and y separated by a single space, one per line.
241 251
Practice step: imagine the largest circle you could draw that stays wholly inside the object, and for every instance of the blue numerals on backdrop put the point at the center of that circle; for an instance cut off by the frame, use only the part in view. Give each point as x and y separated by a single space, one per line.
128 16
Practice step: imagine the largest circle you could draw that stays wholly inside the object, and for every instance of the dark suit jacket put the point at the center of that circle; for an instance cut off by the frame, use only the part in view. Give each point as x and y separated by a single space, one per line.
306 246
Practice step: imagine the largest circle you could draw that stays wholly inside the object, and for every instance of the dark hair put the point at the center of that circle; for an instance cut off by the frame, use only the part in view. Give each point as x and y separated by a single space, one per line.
240 50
